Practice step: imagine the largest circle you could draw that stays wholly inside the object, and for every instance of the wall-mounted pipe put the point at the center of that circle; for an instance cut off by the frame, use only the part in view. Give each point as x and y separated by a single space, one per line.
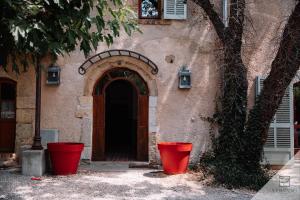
225 12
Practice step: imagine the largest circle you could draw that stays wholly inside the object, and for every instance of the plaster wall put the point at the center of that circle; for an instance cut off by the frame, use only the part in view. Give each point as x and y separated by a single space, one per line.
176 114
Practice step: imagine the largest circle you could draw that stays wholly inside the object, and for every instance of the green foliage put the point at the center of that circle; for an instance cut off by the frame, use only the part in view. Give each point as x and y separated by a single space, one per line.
231 174
56 27
234 161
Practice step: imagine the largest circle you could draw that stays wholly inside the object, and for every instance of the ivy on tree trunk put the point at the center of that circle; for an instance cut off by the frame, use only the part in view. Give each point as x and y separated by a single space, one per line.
238 149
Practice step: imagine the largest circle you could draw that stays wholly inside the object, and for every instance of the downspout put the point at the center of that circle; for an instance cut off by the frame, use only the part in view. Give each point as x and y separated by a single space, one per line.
225 12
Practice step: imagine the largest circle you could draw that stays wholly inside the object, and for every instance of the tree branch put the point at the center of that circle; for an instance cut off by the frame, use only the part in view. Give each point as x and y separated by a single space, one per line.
283 69
214 17
236 21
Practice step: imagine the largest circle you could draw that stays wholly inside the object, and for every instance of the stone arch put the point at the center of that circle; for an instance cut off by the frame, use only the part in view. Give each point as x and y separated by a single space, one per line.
97 69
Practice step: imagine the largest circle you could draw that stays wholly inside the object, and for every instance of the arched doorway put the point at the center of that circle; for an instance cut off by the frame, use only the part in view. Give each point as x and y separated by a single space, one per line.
8 115
120 119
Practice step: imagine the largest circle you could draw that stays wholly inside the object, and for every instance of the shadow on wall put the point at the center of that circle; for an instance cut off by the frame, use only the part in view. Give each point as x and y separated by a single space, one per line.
180 110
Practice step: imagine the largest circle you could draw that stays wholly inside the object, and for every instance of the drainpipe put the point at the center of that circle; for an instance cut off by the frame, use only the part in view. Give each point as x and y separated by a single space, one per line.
225 12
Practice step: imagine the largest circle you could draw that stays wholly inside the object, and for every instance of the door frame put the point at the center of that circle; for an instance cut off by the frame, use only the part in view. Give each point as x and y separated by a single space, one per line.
296 147
98 137
10 81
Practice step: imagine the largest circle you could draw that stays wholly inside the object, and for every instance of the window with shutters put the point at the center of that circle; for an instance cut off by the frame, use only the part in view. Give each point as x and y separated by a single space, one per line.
279 135
278 148
175 9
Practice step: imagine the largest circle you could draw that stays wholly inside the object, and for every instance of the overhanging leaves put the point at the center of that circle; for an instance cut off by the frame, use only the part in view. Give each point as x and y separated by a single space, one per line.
54 26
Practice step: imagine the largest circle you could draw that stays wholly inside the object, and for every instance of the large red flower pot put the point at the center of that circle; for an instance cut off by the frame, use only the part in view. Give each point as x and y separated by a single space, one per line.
65 157
175 156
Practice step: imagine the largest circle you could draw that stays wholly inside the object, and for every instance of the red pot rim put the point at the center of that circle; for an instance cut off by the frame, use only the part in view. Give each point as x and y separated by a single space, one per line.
64 143
178 146
65 146
174 143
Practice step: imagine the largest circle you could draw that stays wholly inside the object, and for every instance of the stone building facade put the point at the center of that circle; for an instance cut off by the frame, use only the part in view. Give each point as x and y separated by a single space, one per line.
173 114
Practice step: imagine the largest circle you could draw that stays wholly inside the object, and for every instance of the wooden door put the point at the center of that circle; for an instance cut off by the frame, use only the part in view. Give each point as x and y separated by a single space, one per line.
296 94
297 141
98 148
8 115
142 128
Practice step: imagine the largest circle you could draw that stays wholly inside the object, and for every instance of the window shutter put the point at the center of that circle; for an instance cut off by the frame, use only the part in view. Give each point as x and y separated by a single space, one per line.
280 135
270 141
175 9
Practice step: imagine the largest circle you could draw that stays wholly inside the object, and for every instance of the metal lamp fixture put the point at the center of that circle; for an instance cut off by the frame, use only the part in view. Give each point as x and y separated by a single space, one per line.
53 75
184 76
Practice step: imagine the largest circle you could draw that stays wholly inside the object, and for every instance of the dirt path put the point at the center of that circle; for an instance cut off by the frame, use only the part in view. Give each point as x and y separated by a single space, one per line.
112 181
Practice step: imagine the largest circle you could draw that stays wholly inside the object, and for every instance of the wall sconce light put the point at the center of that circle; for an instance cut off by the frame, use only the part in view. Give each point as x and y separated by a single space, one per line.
53 75
184 76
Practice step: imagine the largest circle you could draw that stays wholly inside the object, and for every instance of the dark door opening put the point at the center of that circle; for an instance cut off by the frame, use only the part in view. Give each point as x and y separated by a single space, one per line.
120 117
297 120
120 121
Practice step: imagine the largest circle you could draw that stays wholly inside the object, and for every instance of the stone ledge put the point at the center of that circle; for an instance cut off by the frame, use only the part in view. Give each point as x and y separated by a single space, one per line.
155 21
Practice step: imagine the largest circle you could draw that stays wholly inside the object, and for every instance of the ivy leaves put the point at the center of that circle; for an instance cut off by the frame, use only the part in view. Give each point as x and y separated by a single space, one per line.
39 27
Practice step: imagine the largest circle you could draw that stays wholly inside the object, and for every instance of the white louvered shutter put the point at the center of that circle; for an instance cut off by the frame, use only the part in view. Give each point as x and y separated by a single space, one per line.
175 9
280 135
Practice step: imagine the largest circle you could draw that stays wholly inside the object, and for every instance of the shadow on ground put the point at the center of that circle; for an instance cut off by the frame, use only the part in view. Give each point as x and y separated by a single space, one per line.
134 184
155 174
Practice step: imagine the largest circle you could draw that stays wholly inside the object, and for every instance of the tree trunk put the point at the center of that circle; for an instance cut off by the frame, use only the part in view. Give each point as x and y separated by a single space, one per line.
283 70
234 101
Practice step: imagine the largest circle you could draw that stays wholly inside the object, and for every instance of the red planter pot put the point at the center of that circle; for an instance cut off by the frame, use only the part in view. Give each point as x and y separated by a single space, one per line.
175 156
65 157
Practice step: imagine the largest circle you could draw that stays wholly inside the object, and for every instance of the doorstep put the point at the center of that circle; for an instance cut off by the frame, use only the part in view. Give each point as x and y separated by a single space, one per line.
115 166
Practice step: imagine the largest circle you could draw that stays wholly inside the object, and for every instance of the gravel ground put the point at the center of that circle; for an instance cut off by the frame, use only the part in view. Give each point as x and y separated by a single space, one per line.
112 181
